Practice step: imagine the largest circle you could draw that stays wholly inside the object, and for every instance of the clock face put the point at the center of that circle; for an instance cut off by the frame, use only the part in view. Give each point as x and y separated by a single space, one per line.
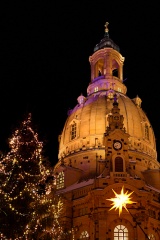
117 145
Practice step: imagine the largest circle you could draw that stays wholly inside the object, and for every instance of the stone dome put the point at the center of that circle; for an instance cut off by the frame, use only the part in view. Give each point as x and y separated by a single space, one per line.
87 122
90 116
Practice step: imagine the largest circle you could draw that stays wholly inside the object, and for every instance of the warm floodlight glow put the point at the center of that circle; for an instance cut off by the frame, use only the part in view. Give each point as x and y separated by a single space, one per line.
120 200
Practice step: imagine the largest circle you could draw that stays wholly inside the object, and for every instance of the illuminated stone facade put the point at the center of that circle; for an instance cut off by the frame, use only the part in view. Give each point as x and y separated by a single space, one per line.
108 143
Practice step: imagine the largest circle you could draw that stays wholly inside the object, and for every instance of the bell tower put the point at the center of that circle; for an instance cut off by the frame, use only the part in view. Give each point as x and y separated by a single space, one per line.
116 143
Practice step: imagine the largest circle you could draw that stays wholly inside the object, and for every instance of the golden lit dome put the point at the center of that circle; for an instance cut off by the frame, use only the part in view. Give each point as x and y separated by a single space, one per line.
91 115
87 122
107 157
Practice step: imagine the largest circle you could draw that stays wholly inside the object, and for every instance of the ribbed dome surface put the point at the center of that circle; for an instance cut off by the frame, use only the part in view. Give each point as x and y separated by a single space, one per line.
92 122
88 121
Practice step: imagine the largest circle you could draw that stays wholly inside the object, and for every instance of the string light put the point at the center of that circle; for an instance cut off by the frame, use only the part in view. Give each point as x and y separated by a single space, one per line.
26 195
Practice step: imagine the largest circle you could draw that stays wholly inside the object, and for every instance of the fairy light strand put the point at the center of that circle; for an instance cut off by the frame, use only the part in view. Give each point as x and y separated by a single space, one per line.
25 194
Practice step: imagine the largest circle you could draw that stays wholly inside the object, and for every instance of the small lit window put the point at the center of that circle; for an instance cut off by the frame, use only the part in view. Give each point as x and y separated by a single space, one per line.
60 180
110 94
120 233
151 237
119 90
84 235
73 130
96 89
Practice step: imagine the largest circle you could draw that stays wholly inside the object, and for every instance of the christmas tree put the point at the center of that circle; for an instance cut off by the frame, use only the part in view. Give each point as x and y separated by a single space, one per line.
29 208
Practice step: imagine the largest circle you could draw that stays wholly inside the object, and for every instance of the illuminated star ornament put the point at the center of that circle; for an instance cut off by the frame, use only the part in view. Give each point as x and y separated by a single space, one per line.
120 200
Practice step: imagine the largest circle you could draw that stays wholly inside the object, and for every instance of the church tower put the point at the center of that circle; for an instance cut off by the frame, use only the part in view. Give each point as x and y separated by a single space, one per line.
107 151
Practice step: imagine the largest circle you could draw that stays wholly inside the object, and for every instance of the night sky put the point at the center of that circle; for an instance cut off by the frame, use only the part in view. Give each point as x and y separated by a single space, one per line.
45 49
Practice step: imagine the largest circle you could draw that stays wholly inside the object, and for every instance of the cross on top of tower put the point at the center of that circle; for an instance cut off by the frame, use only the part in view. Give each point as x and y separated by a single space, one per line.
106 27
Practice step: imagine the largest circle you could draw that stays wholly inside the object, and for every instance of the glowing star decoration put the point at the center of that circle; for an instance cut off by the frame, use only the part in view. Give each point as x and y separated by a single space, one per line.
121 200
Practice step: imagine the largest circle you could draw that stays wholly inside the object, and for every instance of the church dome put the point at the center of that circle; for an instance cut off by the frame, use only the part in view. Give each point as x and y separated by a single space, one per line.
108 147
87 122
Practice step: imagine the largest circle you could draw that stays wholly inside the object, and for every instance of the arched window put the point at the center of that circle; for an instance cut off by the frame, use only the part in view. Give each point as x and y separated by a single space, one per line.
99 68
118 164
151 237
146 131
84 235
120 233
60 180
73 130
110 94
96 89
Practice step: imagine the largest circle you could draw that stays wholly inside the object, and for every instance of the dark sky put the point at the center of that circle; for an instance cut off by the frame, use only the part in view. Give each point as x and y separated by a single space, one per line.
45 47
